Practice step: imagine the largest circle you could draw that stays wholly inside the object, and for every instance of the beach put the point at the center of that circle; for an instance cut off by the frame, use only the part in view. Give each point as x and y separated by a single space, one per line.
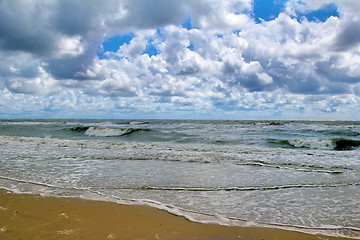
25 216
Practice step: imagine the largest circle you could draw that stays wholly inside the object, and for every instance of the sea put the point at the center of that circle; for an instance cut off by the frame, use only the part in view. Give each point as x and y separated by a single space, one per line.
296 175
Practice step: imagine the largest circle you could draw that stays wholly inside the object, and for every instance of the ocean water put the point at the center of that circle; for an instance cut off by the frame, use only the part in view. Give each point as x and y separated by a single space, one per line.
300 175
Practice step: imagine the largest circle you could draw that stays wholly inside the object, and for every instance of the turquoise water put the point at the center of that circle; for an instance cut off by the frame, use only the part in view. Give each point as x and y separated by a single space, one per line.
293 174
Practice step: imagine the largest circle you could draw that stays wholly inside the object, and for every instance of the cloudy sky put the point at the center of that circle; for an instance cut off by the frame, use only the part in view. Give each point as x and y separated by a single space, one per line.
222 59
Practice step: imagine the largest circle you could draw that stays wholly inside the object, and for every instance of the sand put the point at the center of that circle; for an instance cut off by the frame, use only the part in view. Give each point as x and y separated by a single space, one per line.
25 216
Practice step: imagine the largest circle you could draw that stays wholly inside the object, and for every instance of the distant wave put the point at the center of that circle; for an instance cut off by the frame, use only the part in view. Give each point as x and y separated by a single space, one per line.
139 123
339 144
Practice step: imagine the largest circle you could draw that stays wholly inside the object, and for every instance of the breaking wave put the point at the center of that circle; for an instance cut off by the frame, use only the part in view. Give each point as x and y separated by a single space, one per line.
339 144
112 132
80 129
345 144
95 131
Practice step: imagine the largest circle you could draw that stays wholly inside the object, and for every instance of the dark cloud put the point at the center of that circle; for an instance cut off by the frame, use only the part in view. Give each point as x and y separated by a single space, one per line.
70 68
152 14
357 90
329 70
43 46
74 17
24 28
348 37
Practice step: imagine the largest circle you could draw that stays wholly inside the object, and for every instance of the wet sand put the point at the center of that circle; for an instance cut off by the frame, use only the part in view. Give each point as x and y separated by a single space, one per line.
24 216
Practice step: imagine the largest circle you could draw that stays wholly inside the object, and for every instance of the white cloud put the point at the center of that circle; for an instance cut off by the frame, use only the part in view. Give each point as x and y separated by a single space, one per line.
70 46
136 46
222 16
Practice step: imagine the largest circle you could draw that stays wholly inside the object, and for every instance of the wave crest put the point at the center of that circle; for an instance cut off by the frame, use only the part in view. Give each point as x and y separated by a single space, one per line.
312 144
339 144
111 132
345 144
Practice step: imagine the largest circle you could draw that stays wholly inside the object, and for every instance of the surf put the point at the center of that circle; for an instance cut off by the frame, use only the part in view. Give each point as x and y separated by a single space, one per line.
97 131
339 144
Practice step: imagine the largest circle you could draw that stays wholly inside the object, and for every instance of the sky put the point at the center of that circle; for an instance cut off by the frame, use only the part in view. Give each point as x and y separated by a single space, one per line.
182 59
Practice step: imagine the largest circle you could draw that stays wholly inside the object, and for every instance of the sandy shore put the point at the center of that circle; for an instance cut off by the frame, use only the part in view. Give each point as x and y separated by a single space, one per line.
25 216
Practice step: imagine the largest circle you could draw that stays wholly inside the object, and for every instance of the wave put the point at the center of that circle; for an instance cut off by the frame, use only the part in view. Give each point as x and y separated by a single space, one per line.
79 129
302 167
339 144
345 144
135 129
343 132
112 132
227 189
312 144
139 123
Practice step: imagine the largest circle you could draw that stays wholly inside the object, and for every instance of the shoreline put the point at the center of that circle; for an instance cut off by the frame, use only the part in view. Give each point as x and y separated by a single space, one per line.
36 217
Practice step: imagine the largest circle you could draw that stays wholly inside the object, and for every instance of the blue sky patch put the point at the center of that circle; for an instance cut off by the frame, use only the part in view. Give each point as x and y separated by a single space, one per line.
191 46
321 14
267 10
236 32
113 44
187 23
150 49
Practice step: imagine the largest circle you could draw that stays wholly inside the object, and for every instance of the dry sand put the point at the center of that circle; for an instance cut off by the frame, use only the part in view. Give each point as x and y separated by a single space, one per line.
24 216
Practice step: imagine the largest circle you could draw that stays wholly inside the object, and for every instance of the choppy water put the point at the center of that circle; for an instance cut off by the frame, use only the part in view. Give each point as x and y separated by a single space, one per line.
298 174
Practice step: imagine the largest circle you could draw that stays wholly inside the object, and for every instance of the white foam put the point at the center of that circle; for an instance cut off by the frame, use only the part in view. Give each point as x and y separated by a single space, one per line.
104 132
312 143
